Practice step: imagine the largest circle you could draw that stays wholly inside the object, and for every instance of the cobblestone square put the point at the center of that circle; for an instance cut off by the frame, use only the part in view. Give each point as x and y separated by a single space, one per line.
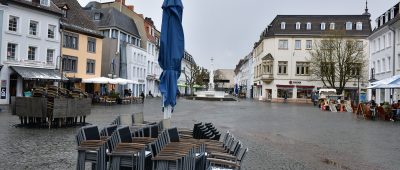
279 136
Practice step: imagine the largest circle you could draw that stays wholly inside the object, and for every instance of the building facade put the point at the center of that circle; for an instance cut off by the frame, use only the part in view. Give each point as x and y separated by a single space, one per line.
187 64
281 65
153 68
385 53
243 76
30 45
81 47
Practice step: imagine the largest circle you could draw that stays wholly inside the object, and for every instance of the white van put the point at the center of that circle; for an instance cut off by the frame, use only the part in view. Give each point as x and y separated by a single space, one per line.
323 93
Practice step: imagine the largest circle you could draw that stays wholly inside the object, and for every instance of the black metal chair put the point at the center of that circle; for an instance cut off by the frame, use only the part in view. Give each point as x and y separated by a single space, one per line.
91 148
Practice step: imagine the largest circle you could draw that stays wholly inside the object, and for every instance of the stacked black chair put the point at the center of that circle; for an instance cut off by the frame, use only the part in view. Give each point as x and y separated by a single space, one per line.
91 148
205 131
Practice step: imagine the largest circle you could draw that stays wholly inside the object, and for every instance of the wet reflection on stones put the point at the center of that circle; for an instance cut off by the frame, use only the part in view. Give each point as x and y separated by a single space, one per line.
279 136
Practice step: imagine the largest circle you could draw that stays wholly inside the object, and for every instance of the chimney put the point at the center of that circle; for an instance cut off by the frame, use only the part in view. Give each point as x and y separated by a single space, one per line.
121 1
131 7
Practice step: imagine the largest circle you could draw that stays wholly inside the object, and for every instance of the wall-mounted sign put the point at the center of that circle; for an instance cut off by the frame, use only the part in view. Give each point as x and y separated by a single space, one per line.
3 93
294 82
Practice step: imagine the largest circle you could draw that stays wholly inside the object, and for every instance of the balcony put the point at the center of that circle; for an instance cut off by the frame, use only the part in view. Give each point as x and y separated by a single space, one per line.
267 77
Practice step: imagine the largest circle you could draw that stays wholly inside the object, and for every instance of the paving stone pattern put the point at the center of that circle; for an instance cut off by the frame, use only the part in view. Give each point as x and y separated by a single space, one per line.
279 136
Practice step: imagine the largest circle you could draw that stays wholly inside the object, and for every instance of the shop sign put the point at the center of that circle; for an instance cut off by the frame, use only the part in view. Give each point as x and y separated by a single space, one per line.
294 82
3 89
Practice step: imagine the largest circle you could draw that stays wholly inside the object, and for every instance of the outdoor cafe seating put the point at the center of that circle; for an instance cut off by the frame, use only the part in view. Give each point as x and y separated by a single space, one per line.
147 145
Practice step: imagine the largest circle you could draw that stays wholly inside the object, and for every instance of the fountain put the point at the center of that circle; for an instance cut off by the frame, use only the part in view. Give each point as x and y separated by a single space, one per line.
211 94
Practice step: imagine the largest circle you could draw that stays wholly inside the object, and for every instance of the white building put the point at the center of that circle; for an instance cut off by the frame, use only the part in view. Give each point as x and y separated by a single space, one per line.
137 64
385 53
280 56
30 43
153 68
244 76
183 84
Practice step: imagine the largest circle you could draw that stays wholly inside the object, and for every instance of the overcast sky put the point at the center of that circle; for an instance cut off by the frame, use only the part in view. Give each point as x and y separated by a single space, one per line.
227 29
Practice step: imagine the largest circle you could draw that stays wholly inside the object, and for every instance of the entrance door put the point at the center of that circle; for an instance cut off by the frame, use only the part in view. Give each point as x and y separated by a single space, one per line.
268 94
13 86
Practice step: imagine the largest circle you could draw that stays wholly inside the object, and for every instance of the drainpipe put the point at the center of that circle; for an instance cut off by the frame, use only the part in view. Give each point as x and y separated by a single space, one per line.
394 56
61 47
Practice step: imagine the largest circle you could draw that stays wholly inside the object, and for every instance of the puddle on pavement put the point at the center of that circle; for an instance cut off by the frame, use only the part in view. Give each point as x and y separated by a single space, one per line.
335 164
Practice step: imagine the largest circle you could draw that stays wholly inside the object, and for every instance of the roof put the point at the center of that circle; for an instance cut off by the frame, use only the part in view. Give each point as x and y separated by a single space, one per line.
188 57
268 57
52 9
77 19
340 24
37 73
111 17
390 21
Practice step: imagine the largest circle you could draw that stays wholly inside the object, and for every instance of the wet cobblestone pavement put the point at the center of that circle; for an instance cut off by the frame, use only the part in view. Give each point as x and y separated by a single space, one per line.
279 136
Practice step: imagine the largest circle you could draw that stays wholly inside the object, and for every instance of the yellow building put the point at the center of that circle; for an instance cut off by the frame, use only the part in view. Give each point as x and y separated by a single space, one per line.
81 51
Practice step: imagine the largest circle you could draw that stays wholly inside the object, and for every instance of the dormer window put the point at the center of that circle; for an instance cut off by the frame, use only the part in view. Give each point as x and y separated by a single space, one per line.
359 26
323 26
283 25
381 20
392 13
298 25
349 26
97 16
64 10
386 16
308 25
45 2
332 26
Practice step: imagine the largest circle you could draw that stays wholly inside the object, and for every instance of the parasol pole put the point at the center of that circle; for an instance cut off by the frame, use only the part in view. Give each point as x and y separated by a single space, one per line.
167 114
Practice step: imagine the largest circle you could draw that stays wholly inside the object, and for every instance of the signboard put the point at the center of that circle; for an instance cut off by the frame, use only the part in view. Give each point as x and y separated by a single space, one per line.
3 93
294 82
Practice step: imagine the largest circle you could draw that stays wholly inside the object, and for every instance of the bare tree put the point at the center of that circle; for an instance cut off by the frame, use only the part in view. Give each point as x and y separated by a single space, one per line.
191 77
336 60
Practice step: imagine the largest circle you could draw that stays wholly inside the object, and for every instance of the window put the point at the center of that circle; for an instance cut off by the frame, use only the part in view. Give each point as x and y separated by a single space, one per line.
304 93
283 44
309 44
97 16
349 25
114 34
31 53
375 46
359 26
33 27
389 39
308 25
355 69
106 33
13 23
332 26
91 45
44 2
70 64
398 60
360 45
384 41
374 65
383 65
323 26
297 44
388 67
50 56
51 31
379 44
70 40
282 67
282 92
298 25
90 66
381 20
386 16
283 25
122 37
379 66
392 13
11 51
302 68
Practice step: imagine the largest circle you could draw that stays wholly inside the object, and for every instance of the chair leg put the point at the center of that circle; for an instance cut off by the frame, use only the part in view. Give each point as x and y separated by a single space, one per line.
81 160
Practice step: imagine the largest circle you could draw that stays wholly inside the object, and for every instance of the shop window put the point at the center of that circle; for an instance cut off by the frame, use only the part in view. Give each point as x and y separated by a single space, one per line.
285 91
304 93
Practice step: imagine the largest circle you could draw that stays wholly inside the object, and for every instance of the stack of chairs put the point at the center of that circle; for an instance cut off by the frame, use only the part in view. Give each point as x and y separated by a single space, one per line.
201 131
169 152
91 148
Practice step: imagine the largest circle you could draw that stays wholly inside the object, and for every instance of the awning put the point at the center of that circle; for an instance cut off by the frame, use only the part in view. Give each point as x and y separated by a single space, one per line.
29 73
285 86
305 87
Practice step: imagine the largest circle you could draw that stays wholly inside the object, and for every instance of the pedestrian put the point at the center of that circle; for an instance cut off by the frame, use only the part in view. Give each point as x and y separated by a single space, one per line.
285 96
129 92
151 94
142 96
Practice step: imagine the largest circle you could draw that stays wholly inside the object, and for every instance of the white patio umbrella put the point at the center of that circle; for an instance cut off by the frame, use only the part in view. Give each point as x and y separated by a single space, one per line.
122 81
388 83
100 80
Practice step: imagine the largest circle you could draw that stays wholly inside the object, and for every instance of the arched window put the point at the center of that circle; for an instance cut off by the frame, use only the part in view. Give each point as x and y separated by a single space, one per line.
298 25
308 25
323 26
283 25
